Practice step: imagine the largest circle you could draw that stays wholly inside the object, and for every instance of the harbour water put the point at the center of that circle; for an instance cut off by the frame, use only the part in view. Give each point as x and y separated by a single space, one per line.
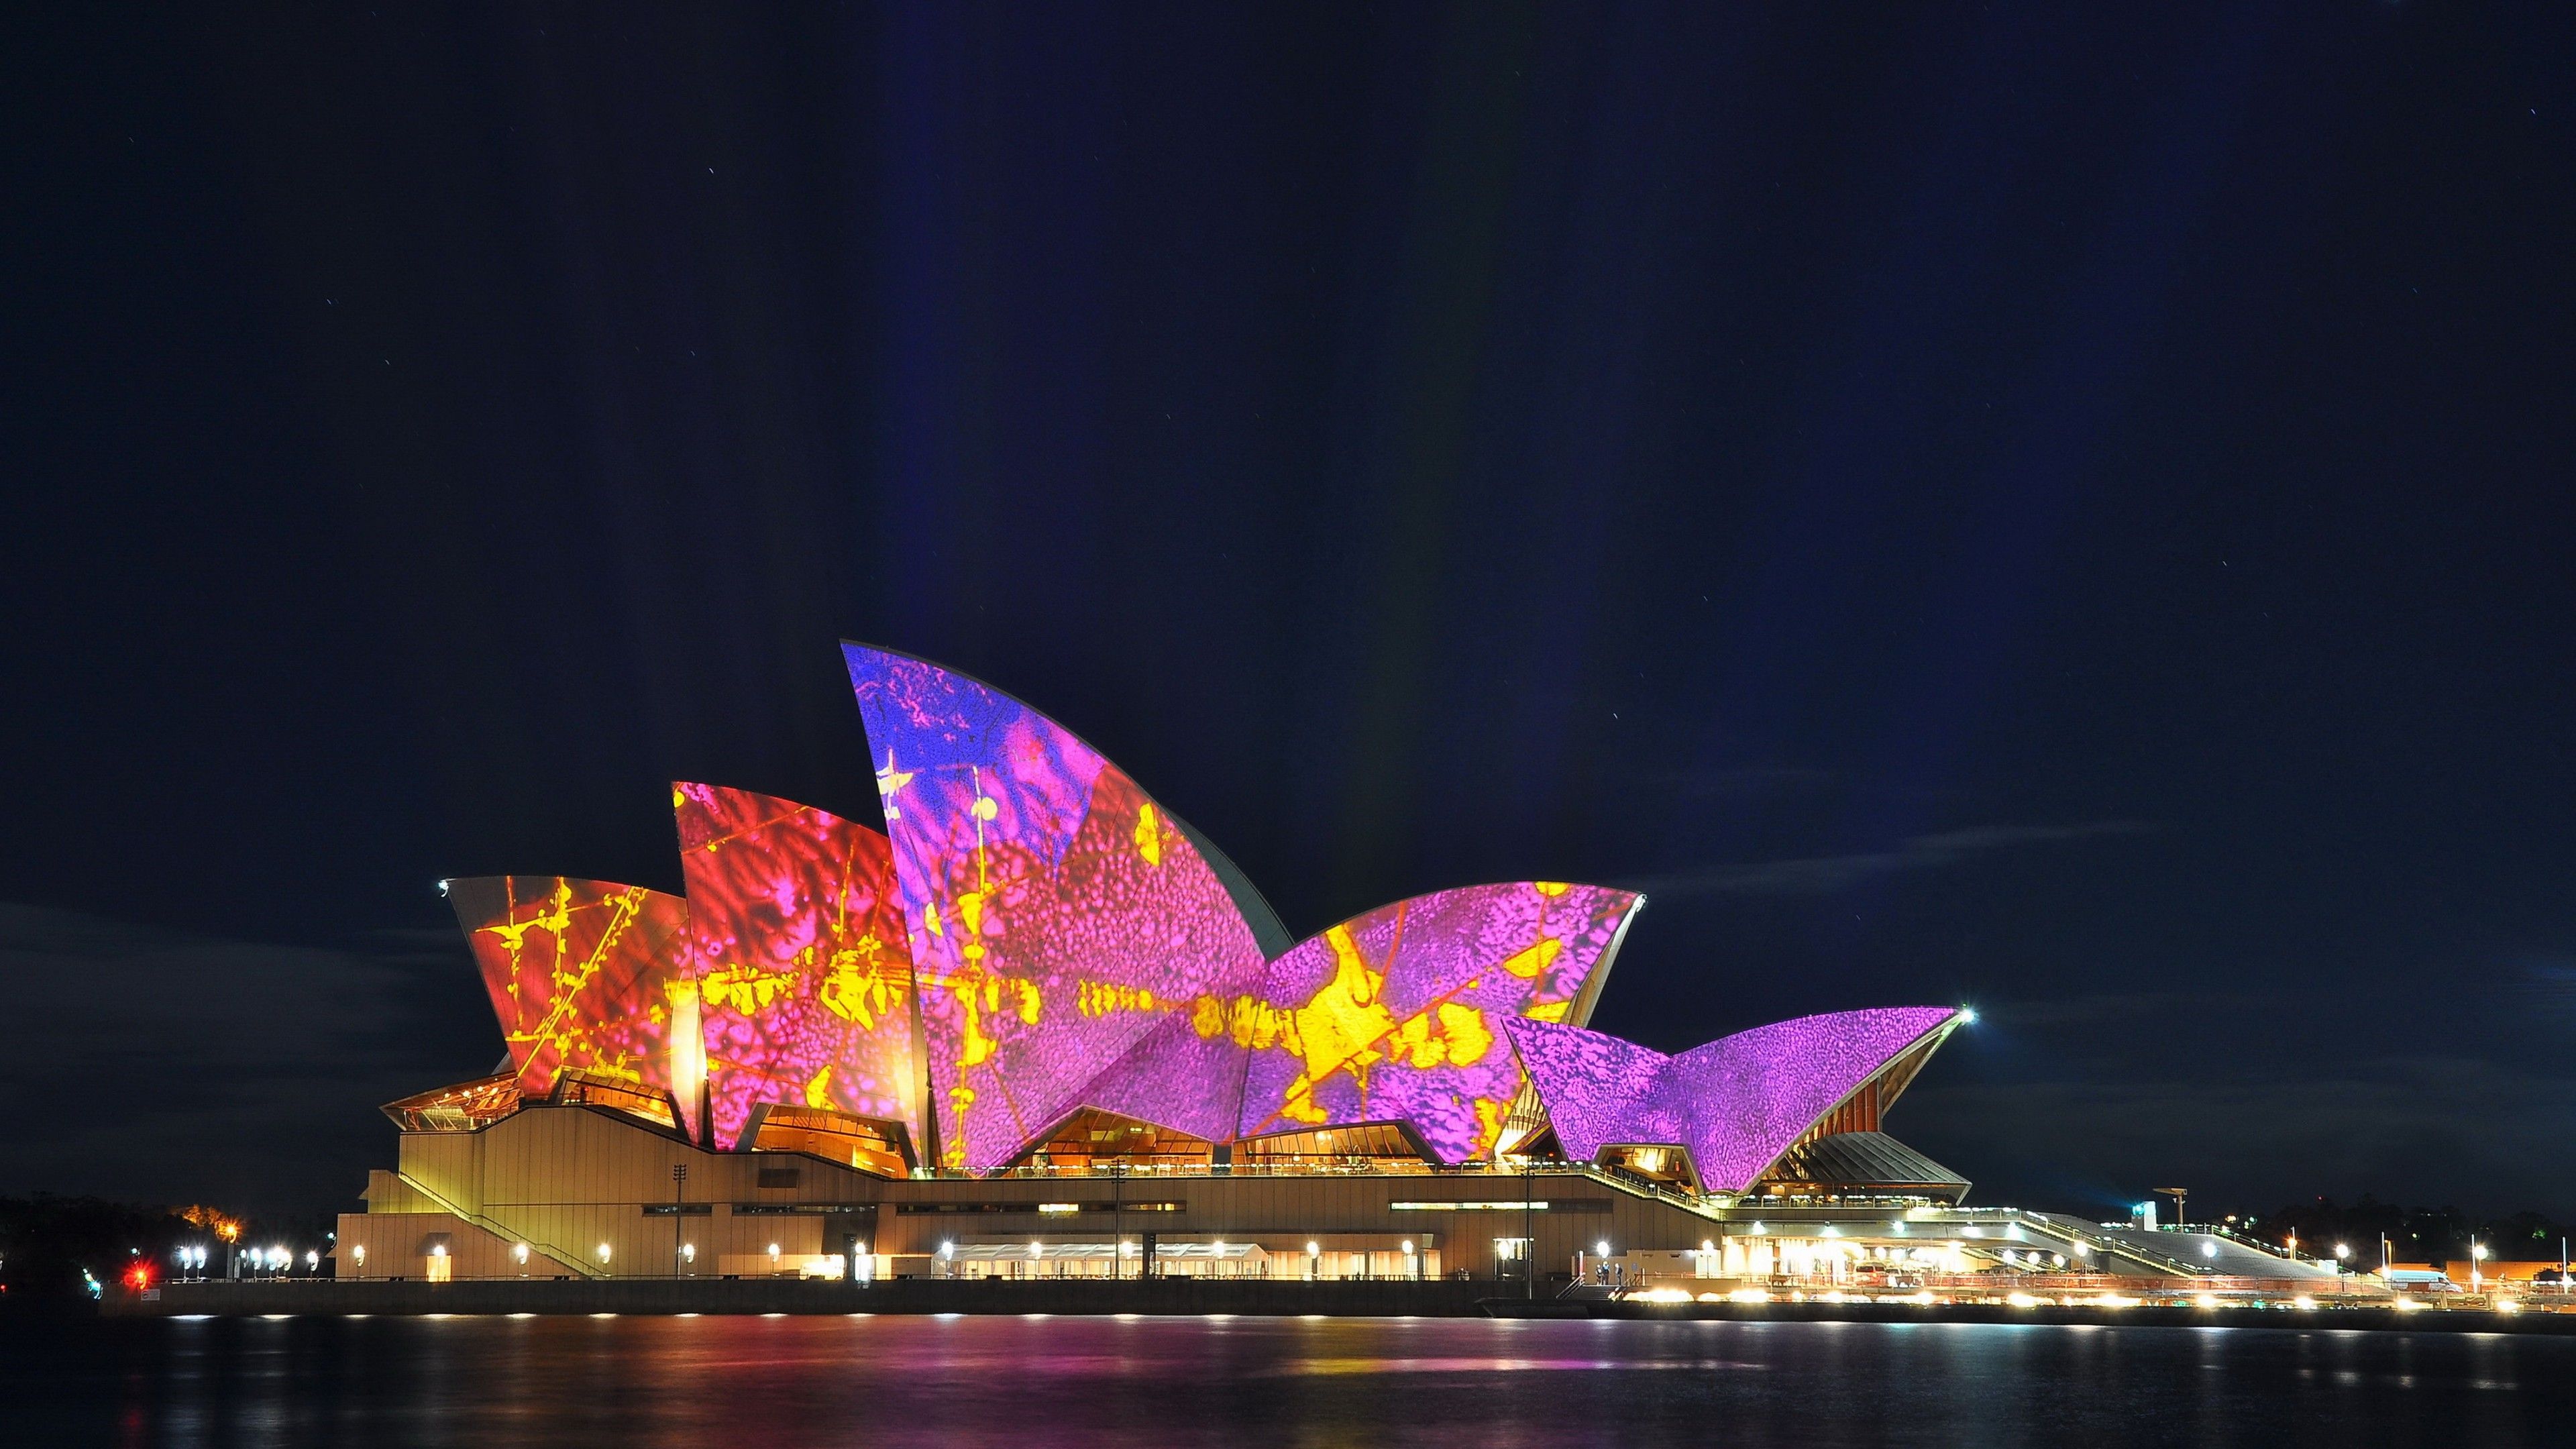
780 1382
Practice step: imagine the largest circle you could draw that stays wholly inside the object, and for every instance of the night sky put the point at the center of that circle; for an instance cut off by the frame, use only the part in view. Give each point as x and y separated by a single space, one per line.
2025 505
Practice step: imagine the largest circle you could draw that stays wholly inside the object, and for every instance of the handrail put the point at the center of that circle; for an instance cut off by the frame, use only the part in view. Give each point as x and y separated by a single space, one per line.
2067 1229
2250 1241
496 1229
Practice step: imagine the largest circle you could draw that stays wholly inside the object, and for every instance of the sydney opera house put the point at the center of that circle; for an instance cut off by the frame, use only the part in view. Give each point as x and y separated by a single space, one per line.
1040 1026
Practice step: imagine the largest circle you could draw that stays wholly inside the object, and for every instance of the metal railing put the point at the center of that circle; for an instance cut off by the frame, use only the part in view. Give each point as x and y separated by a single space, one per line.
564 1256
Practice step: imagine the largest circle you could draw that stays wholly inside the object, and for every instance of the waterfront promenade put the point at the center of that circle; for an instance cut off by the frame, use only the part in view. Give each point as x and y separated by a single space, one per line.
1248 1297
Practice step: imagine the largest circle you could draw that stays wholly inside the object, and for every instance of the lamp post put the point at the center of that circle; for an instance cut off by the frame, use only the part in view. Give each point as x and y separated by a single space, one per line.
2477 1256
1117 1218
1529 1240
679 1195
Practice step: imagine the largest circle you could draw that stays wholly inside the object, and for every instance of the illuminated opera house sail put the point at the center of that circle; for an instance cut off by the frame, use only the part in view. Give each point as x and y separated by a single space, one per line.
1037 970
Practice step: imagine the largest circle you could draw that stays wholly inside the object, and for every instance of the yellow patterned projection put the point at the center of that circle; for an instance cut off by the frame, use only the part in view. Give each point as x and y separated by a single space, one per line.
581 974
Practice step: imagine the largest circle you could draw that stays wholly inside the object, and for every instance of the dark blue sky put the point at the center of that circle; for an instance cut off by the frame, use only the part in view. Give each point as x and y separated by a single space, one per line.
2020 504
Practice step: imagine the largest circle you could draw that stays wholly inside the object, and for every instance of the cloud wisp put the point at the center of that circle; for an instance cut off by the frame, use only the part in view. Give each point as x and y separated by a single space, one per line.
1825 874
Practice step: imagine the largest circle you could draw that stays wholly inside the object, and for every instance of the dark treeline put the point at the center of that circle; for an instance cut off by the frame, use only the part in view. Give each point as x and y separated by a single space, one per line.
53 1248
2436 1235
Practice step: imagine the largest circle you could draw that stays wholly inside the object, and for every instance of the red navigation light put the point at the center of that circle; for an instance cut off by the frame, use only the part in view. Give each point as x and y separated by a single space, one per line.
139 1277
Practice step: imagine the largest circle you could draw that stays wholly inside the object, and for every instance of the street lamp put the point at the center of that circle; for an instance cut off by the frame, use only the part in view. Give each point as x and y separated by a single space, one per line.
679 1199
1118 1217
2477 1256
1529 1234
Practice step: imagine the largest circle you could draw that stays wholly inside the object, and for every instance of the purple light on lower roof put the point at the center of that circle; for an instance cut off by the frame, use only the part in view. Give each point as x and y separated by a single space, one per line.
1392 1016
1591 1084
1397 1015
1736 1103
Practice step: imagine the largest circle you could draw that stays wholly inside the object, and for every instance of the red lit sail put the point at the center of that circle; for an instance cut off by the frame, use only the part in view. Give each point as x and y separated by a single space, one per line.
583 974
803 983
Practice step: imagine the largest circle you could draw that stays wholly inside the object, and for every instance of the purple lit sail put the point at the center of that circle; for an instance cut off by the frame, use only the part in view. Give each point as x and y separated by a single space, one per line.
1736 1104
1397 1015
1055 914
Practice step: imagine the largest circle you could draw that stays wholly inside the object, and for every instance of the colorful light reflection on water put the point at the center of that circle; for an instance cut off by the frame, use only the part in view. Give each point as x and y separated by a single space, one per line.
645 1383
